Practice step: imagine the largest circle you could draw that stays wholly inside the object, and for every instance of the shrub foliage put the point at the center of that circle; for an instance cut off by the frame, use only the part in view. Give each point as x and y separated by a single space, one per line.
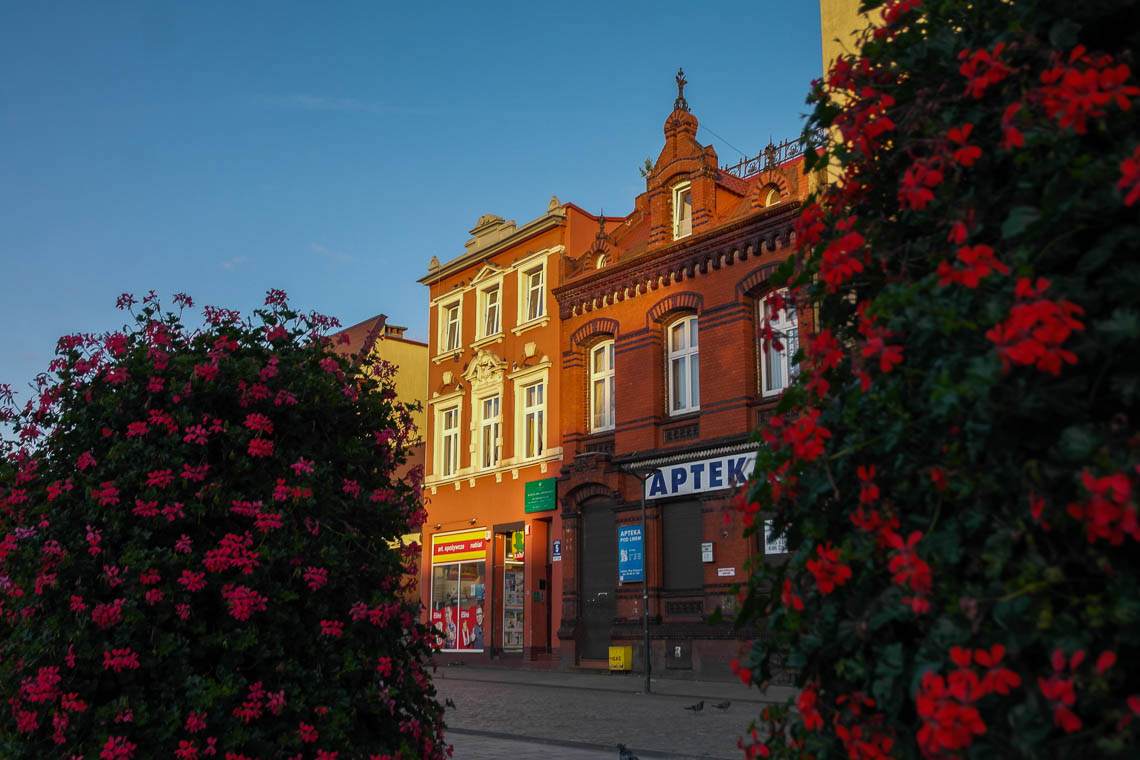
200 546
956 467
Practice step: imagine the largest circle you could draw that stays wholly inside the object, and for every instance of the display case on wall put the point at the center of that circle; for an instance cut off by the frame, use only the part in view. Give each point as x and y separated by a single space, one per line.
514 600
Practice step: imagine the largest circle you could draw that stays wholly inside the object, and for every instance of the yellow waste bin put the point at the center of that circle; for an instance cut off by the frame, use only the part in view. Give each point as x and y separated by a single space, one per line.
621 658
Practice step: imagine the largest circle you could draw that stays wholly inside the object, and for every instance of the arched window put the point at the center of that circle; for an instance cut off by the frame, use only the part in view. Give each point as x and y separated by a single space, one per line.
600 261
684 372
771 195
776 369
602 387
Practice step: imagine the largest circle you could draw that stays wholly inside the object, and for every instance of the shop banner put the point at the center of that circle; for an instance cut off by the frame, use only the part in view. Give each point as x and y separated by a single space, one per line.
459 547
700 476
629 554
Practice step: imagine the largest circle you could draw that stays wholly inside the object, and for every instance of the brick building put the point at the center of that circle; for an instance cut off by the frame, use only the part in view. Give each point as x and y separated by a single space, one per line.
662 373
494 390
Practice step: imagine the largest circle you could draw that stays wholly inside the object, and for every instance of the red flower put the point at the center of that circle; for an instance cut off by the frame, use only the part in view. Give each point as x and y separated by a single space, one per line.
982 69
807 703
1036 328
829 572
868 491
967 154
120 659
979 261
1130 177
308 733
908 568
789 599
915 191
948 725
1109 512
938 478
333 628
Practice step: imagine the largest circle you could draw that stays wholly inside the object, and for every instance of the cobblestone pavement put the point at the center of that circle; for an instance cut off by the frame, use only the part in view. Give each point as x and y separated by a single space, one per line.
527 714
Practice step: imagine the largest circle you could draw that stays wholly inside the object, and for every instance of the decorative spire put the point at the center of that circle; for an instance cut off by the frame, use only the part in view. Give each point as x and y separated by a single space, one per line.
680 104
602 223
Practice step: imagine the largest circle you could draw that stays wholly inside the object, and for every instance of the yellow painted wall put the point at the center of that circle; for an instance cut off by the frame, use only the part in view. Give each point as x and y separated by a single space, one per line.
839 24
411 361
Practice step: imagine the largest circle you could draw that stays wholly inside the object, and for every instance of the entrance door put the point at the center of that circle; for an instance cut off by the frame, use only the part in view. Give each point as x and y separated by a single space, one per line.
599 577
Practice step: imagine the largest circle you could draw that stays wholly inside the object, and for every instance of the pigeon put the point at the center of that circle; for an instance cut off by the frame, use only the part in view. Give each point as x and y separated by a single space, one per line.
723 705
697 707
624 753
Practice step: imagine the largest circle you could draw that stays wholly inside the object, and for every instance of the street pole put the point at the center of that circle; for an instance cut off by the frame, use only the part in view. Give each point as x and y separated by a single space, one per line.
644 581
642 478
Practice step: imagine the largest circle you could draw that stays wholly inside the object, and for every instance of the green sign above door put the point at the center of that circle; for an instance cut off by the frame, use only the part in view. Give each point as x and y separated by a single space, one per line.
538 496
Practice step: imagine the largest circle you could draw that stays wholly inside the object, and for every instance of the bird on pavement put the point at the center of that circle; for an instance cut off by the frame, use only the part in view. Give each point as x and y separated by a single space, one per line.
722 705
697 707
624 753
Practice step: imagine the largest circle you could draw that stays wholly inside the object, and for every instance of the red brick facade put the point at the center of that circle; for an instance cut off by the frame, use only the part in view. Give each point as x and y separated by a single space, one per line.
638 285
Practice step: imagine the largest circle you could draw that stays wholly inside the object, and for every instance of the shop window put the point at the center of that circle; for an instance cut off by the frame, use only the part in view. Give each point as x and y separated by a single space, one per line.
776 368
533 295
684 370
681 546
489 311
458 590
602 387
682 211
533 419
449 335
490 431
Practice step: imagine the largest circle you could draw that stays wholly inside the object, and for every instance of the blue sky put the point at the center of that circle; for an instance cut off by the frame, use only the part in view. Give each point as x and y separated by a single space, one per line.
330 149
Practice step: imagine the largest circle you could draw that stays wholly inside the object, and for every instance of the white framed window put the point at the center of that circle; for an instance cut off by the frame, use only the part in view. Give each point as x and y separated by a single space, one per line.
776 368
532 295
771 196
448 442
449 324
682 211
490 431
490 310
533 420
684 368
602 386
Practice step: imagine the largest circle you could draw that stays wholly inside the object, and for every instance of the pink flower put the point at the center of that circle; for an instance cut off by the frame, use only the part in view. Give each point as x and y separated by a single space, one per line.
260 447
117 748
243 601
193 581
183 544
106 493
267 521
107 615
308 733
302 465
334 628
159 478
316 577
120 659
195 722
259 422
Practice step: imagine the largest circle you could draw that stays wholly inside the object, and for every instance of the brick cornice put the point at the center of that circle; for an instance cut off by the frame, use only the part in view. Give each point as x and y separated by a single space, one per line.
769 229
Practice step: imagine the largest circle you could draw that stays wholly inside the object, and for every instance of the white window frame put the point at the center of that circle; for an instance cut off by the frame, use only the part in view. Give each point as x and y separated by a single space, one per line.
484 309
447 440
679 222
531 435
773 380
684 360
604 378
443 345
489 425
529 299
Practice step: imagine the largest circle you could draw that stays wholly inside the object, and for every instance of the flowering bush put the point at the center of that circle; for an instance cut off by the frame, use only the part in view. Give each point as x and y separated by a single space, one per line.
956 467
200 548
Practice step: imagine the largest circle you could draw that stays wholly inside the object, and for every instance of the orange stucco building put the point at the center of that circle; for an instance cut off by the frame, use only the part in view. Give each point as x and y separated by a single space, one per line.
490 561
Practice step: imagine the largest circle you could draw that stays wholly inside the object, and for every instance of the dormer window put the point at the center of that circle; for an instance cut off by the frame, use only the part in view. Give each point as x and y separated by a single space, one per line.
771 196
600 261
682 211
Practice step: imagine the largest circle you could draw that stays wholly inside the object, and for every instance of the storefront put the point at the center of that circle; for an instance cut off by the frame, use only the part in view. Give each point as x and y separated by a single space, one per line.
459 589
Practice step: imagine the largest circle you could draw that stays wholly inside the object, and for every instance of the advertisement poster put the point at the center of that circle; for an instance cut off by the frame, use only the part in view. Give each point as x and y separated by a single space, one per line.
471 620
629 554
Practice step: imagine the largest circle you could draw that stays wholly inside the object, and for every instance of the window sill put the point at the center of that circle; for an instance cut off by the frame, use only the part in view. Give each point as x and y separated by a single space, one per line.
487 341
454 353
684 414
540 322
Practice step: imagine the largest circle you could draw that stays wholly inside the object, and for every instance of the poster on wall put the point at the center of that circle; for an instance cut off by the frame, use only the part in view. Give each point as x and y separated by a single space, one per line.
629 554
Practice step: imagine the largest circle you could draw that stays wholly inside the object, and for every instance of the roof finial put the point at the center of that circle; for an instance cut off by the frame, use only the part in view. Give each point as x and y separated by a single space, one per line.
680 104
602 223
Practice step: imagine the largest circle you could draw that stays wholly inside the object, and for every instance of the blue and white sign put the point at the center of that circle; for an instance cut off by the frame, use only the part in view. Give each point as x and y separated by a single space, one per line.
629 553
556 550
700 476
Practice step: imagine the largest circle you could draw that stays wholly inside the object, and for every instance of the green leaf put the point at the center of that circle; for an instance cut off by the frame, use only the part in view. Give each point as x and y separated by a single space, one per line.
1020 217
1123 325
